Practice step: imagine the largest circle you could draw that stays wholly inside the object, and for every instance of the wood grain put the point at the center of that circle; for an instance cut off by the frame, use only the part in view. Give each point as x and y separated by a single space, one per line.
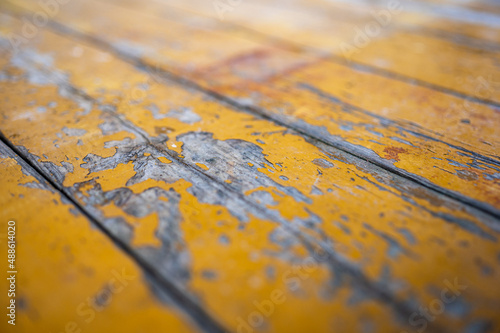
449 145
70 277
181 176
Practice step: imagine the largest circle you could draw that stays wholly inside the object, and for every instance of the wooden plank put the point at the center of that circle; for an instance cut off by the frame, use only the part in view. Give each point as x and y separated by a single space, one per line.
70 277
456 155
333 22
332 28
329 27
463 63
135 142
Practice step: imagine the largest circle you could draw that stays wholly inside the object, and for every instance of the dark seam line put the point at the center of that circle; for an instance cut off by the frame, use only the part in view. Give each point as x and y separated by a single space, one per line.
189 307
413 81
361 67
395 123
366 68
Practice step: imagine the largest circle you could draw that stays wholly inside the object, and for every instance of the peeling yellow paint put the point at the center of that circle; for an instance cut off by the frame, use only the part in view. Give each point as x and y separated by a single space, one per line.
389 230
73 263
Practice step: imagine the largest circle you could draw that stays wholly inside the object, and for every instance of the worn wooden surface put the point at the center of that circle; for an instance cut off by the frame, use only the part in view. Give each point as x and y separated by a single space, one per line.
249 172
71 275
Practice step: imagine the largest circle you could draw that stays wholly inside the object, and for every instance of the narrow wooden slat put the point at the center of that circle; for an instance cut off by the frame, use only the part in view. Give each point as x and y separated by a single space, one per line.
70 277
352 32
331 14
331 20
144 138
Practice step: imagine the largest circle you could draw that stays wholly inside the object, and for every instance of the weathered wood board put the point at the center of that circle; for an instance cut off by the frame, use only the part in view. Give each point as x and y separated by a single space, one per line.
449 145
70 276
264 187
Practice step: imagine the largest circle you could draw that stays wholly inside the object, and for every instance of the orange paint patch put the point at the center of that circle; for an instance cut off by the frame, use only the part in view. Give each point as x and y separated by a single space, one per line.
164 160
392 153
203 166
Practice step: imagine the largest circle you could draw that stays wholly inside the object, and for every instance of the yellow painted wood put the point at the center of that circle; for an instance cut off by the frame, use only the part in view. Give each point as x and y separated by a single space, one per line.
334 18
70 277
233 276
353 32
140 123
449 128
